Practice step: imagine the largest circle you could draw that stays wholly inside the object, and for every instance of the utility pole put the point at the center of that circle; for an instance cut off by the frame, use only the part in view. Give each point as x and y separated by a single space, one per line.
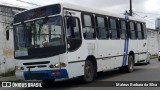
130 8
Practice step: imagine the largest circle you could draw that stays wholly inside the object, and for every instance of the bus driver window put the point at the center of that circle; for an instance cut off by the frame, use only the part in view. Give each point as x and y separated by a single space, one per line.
73 29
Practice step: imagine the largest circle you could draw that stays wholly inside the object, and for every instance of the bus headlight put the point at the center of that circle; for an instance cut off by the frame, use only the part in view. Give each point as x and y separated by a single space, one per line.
57 65
17 68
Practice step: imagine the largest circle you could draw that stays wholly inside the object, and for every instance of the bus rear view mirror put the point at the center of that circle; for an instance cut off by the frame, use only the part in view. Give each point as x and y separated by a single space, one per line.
71 22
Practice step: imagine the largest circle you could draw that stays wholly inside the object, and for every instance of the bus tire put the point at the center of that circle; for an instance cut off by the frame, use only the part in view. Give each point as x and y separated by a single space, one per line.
88 71
130 66
48 82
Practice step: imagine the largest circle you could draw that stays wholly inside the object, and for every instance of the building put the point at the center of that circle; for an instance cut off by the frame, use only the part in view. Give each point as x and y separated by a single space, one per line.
6 44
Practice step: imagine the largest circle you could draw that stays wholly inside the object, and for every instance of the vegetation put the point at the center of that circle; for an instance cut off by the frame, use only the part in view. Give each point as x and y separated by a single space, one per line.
9 73
154 56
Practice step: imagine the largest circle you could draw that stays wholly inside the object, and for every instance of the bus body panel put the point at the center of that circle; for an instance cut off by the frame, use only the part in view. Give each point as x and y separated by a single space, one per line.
111 57
142 49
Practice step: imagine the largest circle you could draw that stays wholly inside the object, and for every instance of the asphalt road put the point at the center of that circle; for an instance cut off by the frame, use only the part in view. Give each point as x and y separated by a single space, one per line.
142 72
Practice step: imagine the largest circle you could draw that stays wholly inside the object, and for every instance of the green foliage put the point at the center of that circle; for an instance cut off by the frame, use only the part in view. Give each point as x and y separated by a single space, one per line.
9 73
154 56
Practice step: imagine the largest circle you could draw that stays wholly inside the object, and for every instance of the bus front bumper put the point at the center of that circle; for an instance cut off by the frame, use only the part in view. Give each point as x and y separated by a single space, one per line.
42 74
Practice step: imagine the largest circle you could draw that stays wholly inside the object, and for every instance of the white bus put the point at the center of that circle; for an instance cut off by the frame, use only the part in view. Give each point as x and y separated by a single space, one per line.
66 41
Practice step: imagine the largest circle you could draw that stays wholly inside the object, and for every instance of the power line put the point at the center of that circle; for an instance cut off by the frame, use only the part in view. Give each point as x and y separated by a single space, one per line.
140 16
7 4
152 19
11 5
28 3
147 13
145 19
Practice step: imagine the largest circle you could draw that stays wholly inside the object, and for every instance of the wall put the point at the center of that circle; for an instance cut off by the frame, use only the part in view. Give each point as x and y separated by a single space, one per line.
6 46
153 41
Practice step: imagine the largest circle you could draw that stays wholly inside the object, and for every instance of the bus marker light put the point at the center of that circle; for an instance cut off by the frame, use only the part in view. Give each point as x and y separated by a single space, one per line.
63 65
55 73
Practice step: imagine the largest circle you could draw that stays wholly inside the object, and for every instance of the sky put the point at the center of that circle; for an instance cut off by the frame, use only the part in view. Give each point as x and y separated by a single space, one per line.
148 10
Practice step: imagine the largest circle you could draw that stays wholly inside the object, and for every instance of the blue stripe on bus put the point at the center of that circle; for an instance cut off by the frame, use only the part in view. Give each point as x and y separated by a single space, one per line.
127 48
124 53
126 44
45 74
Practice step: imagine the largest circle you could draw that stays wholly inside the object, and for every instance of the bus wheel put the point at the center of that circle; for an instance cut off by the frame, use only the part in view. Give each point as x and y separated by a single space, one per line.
88 71
48 82
130 66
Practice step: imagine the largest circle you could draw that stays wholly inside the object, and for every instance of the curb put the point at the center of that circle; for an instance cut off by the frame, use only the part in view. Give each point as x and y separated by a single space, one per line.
10 78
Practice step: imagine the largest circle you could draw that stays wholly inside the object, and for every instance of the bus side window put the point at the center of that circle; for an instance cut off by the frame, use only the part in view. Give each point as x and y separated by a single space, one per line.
73 28
88 26
132 30
139 31
73 31
113 28
144 30
102 31
123 29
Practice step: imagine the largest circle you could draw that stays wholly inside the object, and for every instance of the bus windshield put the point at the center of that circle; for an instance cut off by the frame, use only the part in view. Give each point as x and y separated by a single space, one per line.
38 34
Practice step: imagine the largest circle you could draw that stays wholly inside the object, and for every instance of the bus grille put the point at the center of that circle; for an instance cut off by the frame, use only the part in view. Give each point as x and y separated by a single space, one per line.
36 64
